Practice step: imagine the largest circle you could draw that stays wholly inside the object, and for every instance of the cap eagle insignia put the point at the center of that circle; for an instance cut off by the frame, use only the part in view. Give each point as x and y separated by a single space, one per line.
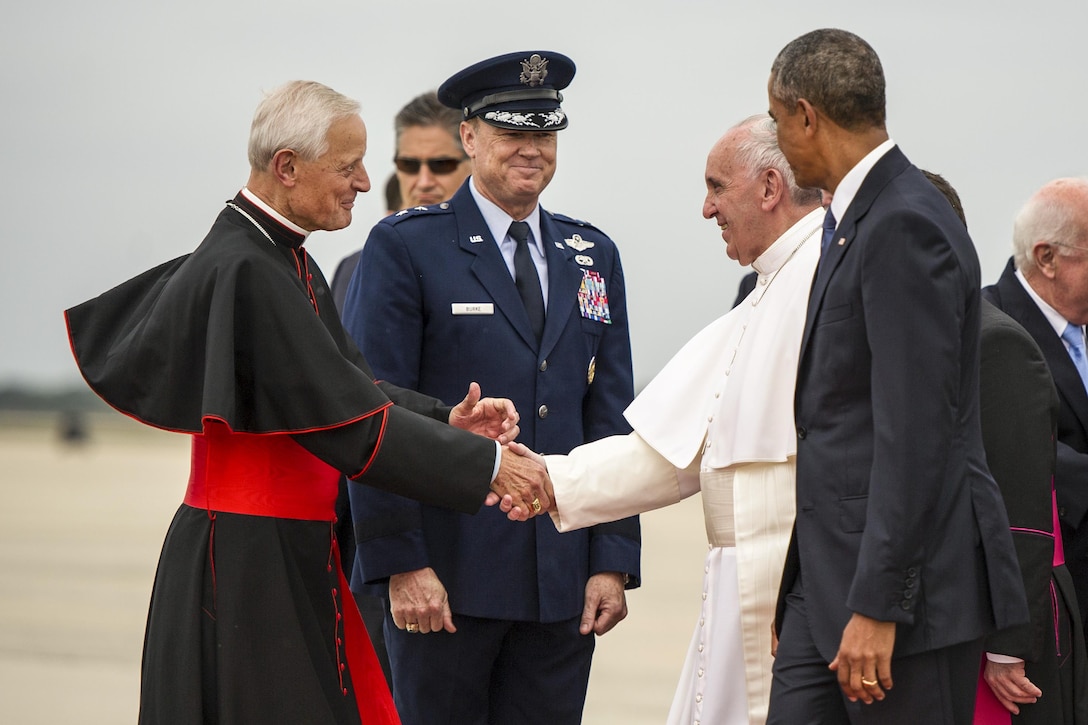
534 70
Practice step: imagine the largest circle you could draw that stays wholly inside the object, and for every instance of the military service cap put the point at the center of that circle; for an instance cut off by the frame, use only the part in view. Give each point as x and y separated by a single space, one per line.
518 91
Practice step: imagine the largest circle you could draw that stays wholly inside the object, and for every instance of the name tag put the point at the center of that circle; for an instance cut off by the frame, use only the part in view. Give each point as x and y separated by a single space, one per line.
473 308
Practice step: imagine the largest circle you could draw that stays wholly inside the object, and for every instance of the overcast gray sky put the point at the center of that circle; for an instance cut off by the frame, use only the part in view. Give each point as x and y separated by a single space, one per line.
125 126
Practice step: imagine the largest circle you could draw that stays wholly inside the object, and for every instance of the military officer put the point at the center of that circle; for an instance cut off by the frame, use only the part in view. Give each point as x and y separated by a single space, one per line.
493 622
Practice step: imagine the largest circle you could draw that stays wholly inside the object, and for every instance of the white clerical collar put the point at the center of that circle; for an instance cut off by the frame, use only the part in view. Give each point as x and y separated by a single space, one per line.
848 187
783 248
260 204
498 221
1052 316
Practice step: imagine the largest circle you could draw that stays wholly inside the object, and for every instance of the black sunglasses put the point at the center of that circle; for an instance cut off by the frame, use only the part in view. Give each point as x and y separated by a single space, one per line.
441 166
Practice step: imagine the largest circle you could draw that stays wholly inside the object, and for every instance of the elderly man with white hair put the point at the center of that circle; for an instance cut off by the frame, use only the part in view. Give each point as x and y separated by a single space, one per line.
719 418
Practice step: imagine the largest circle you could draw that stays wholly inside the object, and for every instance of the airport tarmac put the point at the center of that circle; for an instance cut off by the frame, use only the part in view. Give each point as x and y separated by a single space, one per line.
80 533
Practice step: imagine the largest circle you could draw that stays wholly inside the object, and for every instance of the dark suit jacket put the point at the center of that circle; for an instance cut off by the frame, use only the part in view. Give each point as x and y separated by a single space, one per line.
1071 473
341 277
1019 417
747 284
897 516
572 388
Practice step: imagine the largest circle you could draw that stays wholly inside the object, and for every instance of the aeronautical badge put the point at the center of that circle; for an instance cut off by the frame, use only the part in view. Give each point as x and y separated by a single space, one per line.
592 370
593 297
534 70
578 244
584 259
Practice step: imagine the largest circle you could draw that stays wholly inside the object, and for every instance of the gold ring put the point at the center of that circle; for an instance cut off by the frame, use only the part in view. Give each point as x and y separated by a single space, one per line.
411 627
868 683
536 505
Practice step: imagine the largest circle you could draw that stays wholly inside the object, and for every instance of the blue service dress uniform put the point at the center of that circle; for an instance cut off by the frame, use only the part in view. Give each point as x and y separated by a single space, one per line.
433 306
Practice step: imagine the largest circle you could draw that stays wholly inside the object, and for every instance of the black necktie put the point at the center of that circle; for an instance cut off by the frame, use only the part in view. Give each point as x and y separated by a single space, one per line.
525 277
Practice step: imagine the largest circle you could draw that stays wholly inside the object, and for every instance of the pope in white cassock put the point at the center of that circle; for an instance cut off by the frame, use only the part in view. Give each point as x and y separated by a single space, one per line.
719 418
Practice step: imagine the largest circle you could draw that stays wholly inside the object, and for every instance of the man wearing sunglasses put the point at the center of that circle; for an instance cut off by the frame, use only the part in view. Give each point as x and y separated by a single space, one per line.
492 623
431 163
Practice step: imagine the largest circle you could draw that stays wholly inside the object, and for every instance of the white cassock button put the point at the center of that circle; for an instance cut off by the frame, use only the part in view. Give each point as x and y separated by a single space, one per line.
700 672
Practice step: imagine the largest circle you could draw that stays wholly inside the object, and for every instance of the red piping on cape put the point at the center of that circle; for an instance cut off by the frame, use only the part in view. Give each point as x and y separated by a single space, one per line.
205 418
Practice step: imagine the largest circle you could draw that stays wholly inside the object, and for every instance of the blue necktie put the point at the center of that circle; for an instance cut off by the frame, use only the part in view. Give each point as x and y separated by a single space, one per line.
526 278
1074 338
829 232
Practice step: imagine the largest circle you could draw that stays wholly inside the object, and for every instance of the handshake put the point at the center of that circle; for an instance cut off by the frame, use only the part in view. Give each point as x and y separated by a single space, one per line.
521 487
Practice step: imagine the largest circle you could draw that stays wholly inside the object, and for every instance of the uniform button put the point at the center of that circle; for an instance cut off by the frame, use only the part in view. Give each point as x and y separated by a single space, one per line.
718 394
704 596
699 697
904 605
543 365
910 582
908 594
1061 512
710 419
700 672
912 572
801 432
700 648
701 622
542 411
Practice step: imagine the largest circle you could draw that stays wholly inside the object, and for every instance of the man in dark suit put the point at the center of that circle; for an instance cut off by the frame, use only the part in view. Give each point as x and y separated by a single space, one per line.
1045 289
1035 671
901 547
494 623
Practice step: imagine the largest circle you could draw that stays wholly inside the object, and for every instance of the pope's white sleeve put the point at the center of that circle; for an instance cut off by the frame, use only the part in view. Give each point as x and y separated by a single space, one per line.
615 477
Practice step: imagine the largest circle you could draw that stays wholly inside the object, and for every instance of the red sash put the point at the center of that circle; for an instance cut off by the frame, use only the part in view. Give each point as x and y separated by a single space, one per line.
272 475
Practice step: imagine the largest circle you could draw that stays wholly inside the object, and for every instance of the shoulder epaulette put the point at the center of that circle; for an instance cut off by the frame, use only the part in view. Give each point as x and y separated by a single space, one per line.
572 220
418 211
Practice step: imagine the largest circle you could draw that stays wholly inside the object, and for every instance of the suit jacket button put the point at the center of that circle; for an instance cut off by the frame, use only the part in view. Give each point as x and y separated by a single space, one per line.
801 432
905 606
912 572
543 365
908 594
542 411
